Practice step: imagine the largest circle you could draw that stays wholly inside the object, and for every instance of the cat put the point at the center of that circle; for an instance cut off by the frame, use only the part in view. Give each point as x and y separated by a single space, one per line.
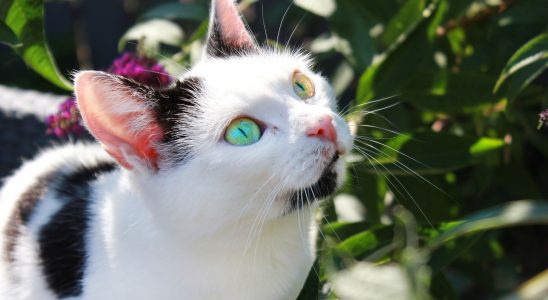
205 189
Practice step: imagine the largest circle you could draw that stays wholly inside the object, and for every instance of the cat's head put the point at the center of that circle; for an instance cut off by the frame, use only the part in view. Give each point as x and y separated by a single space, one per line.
247 123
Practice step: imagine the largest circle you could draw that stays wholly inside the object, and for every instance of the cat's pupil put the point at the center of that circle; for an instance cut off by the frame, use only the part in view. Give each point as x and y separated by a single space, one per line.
242 132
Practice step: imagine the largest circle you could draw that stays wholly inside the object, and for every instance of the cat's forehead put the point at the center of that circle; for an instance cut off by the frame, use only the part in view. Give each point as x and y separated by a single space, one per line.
258 68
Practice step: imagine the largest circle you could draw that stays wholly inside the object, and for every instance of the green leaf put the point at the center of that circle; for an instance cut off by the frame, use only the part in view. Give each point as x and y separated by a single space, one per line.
25 18
452 92
524 12
365 243
351 24
524 66
430 153
422 197
407 17
176 11
199 33
399 63
523 212
344 230
444 256
7 36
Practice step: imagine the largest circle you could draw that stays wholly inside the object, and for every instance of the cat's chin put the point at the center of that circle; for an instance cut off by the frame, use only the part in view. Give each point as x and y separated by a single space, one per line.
321 189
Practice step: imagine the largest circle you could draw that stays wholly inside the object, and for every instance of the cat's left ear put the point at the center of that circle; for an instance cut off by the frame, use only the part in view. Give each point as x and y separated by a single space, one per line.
119 113
228 34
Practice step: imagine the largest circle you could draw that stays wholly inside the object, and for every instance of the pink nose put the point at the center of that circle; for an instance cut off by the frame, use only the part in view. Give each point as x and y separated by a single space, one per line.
323 129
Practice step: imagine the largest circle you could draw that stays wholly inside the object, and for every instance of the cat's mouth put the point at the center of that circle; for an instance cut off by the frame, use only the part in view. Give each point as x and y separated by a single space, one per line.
325 186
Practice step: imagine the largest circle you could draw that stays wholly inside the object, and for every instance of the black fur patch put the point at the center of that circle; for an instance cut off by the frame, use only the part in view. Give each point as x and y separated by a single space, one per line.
62 239
170 105
218 47
323 188
173 104
23 211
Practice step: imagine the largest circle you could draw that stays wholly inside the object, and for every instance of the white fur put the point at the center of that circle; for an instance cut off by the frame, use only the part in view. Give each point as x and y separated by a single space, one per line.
216 226
32 284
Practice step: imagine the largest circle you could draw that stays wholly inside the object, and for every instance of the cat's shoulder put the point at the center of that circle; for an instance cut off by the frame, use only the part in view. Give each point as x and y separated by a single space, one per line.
59 159
47 167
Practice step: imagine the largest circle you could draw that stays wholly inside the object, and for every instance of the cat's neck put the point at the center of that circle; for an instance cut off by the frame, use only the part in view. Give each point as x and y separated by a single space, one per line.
135 206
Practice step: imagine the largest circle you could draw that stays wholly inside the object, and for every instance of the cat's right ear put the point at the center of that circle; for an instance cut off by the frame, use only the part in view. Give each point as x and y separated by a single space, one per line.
228 34
119 114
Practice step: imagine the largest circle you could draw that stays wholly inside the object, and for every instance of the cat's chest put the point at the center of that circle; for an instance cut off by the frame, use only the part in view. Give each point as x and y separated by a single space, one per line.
222 268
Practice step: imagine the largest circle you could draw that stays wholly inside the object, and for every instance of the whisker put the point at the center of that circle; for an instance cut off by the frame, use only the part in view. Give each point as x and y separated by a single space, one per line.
406 191
265 214
363 139
264 24
385 119
390 183
403 166
282 22
386 129
367 112
365 104
295 29
256 219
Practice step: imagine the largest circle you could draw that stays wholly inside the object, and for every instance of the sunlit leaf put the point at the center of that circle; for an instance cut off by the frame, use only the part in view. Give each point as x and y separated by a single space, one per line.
533 289
371 281
524 66
366 242
523 212
152 33
343 230
26 20
322 8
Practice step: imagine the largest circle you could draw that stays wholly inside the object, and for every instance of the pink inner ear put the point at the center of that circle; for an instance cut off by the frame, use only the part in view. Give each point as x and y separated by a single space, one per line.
232 28
97 97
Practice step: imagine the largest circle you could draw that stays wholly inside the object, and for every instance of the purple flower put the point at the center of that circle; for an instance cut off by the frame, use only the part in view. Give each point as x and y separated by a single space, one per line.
144 70
542 119
66 122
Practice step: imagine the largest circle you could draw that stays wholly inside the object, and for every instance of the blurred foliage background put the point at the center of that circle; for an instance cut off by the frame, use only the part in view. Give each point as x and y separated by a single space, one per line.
447 186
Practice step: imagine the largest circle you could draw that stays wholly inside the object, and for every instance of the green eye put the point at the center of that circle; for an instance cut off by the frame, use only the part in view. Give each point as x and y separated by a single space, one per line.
302 85
243 132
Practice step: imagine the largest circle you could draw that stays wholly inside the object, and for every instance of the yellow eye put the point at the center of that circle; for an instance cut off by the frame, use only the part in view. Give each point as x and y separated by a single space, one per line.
303 86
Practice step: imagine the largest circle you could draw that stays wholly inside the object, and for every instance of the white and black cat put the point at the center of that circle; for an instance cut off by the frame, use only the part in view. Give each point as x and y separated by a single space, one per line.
206 189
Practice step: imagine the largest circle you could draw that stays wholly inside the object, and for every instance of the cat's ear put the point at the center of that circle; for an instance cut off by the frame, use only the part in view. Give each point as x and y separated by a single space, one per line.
228 34
119 114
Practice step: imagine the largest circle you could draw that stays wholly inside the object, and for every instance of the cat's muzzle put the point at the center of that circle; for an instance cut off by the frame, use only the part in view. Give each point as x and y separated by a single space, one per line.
323 188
